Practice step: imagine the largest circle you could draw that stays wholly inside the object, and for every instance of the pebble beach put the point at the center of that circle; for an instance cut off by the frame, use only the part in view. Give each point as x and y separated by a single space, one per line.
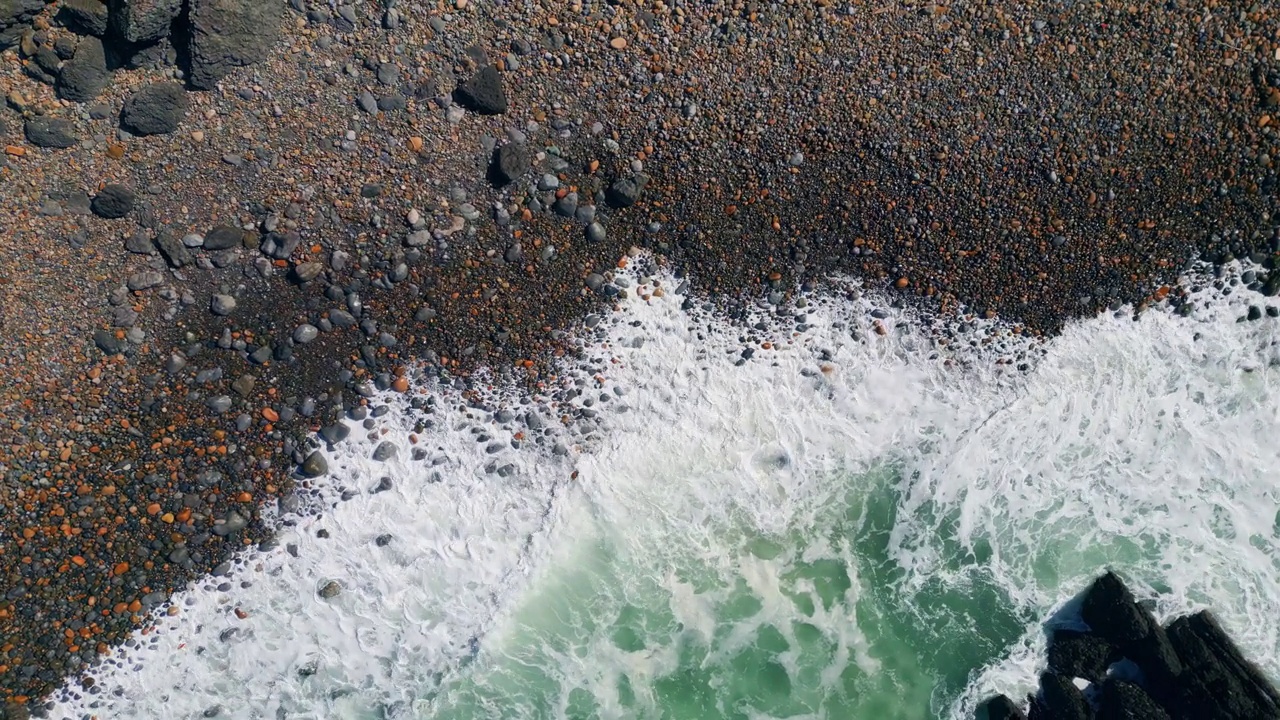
225 224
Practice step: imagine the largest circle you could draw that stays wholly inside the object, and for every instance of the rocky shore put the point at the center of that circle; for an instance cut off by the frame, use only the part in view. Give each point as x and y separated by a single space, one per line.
223 223
1125 665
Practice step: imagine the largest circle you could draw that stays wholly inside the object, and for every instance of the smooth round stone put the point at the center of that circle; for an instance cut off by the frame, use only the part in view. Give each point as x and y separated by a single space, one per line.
193 240
305 333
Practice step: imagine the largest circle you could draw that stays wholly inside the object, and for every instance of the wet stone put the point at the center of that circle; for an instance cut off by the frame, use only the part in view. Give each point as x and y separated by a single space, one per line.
315 465
384 451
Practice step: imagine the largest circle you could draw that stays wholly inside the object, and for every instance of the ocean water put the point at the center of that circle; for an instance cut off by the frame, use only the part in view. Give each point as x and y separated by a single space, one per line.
845 525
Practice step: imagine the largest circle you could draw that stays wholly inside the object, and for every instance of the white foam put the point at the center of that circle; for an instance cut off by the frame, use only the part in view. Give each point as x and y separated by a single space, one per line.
1129 442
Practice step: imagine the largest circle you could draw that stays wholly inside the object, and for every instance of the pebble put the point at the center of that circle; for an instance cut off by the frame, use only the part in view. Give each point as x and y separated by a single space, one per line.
384 451
222 304
305 333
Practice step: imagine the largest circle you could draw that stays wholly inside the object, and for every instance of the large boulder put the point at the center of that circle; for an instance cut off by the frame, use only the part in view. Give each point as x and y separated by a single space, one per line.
155 109
227 34
15 18
85 75
143 21
84 16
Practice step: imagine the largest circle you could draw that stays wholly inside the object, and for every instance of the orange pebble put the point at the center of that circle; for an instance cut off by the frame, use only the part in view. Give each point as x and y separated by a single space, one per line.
270 415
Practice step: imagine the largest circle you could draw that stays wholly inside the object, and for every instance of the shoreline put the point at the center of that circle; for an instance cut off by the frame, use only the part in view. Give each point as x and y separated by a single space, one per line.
736 185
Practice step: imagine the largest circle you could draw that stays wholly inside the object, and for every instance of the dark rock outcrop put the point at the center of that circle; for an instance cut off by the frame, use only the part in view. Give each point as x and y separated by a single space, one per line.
15 18
85 75
1112 613
1122 700
1190 670
1000 707
84 16
143 21
227 34
1080 654
1059 699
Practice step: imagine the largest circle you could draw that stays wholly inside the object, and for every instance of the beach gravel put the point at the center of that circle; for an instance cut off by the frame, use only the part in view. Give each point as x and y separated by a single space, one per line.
1030 163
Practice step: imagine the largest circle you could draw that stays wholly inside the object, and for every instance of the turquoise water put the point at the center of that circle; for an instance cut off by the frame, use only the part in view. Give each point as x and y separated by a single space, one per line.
729 622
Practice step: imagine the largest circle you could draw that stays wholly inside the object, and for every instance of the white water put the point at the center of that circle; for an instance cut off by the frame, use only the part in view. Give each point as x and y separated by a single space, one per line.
1128 443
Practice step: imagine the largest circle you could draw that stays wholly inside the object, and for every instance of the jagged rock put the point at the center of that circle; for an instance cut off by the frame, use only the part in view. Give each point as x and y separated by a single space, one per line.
85 75
1080 655
15 16
155 109
143 21
1158 660
624 193
1217 681
1126 701
1112 613
85 16
483 92
227 34
1000 708
1059 699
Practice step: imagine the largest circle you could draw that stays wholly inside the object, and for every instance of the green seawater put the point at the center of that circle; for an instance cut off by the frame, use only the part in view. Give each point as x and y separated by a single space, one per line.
662 619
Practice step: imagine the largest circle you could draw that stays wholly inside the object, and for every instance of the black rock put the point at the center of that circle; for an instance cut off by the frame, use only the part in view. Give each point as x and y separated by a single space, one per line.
226 34
1080 655
1217 680
315 465
1059 699
1158 660
171 247
143 21
43 67
483 93
510 161
84 16
1110 610
113 201
1126 701
85 75
389 103
51 133
335 433
65 46
107 342
623 193
155 109
223 237
1000 708
15 16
